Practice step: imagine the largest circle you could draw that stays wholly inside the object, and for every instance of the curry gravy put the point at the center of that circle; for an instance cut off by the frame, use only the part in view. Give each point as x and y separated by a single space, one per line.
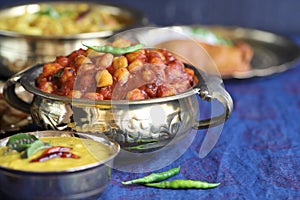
90 151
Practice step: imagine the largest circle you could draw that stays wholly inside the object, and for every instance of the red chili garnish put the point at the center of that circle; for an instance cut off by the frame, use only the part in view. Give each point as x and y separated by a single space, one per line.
55 152
83 14
56 149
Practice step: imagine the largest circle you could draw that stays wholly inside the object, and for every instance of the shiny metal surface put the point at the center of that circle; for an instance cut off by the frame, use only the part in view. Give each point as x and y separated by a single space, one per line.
87 182
18 51
11 119
136 125
273 53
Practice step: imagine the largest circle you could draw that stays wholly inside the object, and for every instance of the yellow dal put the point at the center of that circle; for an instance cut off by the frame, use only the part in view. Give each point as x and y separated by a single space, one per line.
90 151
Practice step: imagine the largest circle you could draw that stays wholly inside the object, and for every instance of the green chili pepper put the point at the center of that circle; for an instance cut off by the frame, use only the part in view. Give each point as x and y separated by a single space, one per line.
116 50
183 184
154 177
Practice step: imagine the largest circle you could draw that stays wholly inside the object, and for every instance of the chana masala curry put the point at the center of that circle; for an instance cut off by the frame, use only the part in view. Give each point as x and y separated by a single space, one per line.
119 71
25 152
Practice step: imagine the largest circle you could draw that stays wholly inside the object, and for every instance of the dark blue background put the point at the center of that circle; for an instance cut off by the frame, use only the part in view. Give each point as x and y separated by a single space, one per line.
280 16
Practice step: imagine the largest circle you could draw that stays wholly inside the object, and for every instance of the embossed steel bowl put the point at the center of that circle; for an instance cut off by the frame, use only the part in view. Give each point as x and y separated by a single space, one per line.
86 182
18 51
142 125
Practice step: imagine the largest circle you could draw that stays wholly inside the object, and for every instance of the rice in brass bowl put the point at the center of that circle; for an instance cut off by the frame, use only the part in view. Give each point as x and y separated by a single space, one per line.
24 44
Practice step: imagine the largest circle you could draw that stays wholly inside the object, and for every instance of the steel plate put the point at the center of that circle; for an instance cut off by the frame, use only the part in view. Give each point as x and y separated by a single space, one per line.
273 53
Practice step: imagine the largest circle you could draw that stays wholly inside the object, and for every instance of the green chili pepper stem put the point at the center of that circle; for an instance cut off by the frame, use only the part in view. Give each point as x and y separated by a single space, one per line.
115 50
183 184
154 177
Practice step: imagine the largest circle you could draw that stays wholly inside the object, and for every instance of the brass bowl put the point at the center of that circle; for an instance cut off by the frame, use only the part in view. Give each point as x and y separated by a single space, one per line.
140 126
86 182
18 51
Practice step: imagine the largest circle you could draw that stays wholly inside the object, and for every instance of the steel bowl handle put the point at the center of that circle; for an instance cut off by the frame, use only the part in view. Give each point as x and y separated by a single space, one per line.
11 97
219 94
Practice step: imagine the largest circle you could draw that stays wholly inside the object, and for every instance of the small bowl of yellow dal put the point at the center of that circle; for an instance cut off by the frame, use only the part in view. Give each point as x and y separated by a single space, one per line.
55 165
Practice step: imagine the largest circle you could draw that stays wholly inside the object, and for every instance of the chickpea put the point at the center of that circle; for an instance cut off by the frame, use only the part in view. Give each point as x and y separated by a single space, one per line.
67 74
172 73
103 78
148 75
122 75
120 62
156 60
155 56
51 68
84 63
150 89
76 53
81 59
136 94
104 61
154 72
74 94
165 90
137 55
46 86
92 53
86 67
93 96
40 79
135 65
182 85
62 60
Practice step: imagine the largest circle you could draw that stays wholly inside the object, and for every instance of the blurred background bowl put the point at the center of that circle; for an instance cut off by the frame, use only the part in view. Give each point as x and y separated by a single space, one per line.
86 182
20 50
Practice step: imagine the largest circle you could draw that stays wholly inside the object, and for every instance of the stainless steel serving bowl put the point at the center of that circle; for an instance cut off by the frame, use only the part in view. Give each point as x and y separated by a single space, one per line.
140 126
86 182
18 51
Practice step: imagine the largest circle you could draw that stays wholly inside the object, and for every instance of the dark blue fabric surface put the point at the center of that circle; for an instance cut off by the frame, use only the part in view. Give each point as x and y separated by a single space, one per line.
257 155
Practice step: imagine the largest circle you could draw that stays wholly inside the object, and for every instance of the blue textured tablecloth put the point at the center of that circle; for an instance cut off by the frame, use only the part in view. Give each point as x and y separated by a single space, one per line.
257 155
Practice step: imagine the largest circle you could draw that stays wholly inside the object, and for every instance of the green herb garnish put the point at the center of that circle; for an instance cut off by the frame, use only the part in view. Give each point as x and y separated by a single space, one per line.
21 141
210 37
26 144
34 147
50 11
